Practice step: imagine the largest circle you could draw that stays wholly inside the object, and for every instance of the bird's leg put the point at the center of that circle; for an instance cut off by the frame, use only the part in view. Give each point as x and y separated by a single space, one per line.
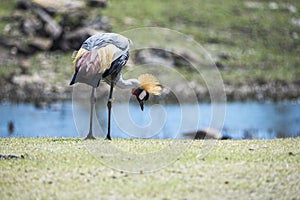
109 102
93 100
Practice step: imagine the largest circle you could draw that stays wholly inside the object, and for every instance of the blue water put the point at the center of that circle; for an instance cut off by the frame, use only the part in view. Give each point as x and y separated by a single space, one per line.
251 120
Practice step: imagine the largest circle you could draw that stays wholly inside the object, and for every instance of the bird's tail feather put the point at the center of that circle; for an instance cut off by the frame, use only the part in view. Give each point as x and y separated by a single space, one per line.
73 81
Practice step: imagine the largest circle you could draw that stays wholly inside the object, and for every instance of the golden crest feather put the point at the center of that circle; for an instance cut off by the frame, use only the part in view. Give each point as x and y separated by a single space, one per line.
150 84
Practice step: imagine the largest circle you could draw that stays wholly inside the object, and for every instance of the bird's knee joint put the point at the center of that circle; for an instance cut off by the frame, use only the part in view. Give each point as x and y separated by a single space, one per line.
109 103
110 100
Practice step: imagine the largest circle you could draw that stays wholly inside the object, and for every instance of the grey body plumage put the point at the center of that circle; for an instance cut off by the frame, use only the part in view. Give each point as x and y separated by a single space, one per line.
102 57
92 75
102 39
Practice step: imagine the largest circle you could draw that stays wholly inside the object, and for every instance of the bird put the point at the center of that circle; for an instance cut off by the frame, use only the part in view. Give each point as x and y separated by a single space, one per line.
102 57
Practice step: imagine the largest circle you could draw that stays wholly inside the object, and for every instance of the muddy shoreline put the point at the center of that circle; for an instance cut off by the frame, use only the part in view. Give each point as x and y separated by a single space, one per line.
273 91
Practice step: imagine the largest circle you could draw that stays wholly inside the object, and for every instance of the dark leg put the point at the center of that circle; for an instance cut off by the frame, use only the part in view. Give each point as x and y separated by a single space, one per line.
109 109
93 100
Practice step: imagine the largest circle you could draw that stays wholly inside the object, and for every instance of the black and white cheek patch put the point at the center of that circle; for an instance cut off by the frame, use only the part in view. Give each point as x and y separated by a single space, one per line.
142 95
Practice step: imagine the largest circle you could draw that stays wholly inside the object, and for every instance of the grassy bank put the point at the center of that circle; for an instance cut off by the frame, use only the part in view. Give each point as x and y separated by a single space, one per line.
257 41
258 38
64 169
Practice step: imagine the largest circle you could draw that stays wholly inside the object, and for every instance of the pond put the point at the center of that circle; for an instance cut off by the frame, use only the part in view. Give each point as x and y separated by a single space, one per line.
243 120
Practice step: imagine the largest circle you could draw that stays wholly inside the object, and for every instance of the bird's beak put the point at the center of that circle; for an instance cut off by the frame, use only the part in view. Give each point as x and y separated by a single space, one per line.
142 105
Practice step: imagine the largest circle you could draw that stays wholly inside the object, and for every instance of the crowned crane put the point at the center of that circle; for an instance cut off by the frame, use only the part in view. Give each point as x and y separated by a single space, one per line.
102 57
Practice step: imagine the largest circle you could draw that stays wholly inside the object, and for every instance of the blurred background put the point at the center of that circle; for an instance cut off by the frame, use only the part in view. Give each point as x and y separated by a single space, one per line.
254 44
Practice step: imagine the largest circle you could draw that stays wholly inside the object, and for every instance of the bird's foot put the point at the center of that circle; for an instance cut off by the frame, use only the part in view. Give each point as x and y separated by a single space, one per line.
108 137
90 137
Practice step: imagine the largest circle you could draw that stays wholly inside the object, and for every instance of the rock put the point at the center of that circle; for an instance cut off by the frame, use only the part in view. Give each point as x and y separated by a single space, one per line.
51 26
129 21
180 61
207 134
97 3
186 58
254 4
224 56
59 6
154 56
291 8
16 46
295 36
31 25
40 43
295 21
25 65
43 25
27 79
72 20
41 105
22 4
273 6
220 65
73 40
98 23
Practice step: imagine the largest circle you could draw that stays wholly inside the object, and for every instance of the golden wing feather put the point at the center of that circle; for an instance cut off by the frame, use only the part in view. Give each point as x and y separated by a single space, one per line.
105 56
76 55
150 84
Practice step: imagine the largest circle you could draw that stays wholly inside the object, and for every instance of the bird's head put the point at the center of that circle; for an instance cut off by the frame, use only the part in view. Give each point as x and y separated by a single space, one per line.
148 85
141 95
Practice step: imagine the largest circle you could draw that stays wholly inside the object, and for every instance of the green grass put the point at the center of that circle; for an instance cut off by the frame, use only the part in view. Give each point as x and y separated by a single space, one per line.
49 63
5 10
258 41
7 71
64 169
